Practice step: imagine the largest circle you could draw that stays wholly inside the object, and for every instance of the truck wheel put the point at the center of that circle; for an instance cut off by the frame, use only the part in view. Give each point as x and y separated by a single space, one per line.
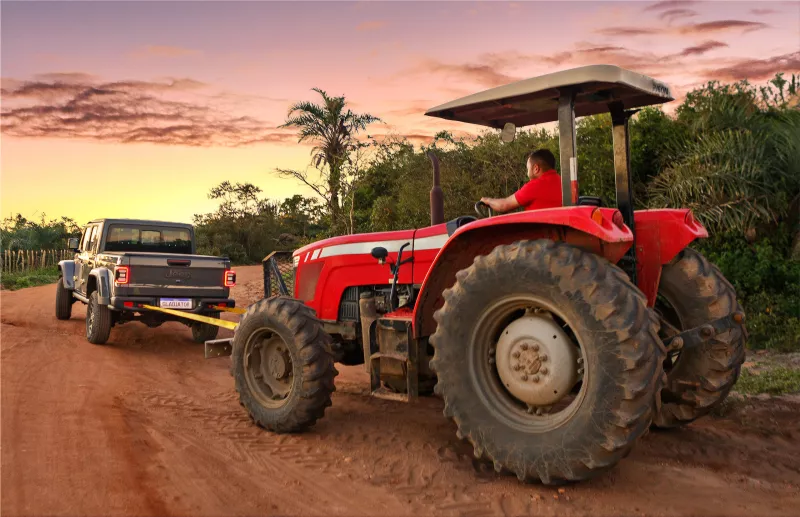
283 365
548 360
693 292
63 301
202 332
98 321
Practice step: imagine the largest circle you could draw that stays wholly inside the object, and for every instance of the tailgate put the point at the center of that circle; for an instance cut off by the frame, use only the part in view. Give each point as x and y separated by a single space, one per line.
156 274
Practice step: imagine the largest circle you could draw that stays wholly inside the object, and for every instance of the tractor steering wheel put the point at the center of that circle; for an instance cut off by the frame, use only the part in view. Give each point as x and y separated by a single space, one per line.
479 206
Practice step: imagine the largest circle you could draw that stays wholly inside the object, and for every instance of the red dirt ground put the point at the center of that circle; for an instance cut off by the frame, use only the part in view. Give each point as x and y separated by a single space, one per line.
146 426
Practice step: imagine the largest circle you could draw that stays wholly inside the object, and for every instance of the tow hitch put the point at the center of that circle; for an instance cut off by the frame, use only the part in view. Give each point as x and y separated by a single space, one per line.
698 335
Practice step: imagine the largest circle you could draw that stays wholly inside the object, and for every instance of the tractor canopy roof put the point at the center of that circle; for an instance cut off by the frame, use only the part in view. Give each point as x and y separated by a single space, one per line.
535 100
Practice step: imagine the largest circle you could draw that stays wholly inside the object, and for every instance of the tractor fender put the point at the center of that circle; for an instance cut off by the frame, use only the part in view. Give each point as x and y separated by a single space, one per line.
100 280
660 235
67 270
575 225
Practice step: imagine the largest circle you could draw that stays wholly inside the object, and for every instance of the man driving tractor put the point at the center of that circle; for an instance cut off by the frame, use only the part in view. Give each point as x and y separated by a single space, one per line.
542 191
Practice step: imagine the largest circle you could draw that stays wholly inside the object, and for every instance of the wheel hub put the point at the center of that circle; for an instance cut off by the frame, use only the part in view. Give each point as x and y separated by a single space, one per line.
536 360
278 364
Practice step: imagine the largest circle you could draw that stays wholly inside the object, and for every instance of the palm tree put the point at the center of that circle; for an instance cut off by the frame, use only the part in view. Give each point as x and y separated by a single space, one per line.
332 129
740 166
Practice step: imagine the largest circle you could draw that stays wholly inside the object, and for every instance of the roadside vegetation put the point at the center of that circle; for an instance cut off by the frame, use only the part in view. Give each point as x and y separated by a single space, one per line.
731 153
43 276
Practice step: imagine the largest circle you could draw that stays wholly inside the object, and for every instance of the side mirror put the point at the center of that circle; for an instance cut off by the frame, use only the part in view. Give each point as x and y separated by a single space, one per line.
509 133
380 254
72 243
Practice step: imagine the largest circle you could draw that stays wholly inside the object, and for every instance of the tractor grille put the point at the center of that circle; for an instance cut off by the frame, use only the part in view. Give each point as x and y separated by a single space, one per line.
279 272
348 309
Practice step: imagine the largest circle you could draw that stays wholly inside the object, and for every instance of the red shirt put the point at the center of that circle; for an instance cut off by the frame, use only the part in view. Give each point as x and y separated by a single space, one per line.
542 192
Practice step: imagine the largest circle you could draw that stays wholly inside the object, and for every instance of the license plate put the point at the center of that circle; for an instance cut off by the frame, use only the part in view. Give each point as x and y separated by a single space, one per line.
176 303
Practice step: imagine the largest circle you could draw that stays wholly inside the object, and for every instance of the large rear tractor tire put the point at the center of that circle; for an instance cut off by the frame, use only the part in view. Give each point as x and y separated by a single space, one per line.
283 365
548 360
692 292
63 301
98 321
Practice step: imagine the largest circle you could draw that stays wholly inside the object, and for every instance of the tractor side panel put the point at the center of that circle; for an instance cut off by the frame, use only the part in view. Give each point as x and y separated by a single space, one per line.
327 268
660 236
573 225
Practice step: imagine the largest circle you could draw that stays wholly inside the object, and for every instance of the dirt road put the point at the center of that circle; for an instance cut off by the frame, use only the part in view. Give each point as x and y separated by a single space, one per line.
146 426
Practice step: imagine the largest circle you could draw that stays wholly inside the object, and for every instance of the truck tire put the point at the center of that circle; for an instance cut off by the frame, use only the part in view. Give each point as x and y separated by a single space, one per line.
202 332
63 301
588 316
98 320
693 292
283 365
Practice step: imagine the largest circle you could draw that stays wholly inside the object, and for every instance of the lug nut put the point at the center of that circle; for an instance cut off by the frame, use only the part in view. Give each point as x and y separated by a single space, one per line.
580 360
491 360
530 410
544 371
524 377
517 367
707 330
524 346
535 378
543 358
535 348
539 411
580 371
492 351
515 355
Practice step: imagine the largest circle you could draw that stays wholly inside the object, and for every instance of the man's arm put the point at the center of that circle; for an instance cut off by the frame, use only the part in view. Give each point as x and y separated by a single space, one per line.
502 205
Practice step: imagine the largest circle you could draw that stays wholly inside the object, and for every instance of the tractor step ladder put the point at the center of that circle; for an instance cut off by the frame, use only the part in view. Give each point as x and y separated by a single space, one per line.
398 353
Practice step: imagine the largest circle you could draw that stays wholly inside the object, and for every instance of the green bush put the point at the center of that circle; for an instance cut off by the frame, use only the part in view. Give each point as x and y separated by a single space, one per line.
14 281
767 284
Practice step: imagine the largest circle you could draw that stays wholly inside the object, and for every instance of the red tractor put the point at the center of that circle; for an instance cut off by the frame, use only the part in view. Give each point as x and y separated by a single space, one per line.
556 337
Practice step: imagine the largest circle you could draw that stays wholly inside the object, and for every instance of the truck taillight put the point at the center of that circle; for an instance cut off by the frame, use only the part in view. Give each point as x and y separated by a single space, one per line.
122 275
230 278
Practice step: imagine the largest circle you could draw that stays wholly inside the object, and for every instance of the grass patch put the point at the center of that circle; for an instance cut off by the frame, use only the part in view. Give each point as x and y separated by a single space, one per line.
14 281
779 381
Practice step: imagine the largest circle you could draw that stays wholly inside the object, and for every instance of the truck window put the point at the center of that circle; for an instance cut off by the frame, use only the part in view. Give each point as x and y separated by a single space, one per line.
148 239
91 242
85 238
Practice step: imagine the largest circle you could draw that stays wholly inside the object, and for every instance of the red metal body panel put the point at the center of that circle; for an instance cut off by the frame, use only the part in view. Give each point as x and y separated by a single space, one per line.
569 224
660 236
326 268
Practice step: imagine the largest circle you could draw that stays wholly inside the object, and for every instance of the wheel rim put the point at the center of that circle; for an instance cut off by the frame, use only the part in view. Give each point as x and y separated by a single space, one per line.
268 367
503 354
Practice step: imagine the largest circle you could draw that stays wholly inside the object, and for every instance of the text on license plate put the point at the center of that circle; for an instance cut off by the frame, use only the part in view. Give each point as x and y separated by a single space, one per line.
176 303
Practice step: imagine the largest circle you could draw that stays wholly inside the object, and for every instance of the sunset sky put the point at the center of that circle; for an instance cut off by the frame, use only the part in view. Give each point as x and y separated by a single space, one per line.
137 109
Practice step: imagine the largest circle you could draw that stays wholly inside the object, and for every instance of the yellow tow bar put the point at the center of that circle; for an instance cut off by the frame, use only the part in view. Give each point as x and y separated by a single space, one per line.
197 317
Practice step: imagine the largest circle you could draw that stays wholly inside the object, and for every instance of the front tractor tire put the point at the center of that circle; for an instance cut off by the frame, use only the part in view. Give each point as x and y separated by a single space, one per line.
202 332
283 365
693 292
548 361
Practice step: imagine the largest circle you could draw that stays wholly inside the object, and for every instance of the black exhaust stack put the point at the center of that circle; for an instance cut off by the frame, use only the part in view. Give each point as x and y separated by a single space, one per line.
437 198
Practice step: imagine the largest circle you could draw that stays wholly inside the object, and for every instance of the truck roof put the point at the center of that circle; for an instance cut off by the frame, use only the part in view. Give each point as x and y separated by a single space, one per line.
535 100
140 221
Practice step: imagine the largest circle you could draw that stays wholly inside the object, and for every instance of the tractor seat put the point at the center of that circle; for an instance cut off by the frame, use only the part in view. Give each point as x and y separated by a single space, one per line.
589 201
458 222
